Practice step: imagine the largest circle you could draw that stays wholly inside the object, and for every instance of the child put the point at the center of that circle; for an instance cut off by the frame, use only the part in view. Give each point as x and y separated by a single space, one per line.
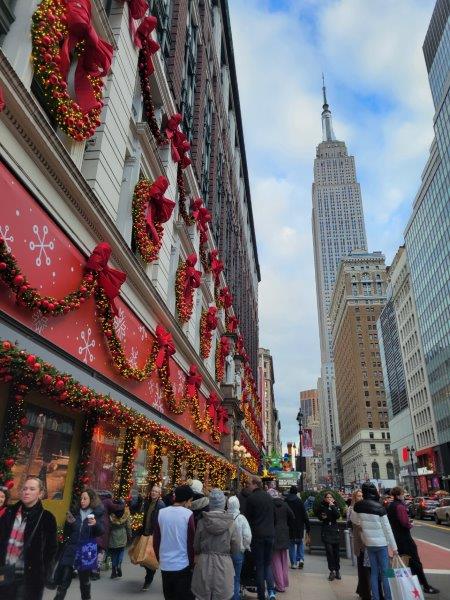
119 534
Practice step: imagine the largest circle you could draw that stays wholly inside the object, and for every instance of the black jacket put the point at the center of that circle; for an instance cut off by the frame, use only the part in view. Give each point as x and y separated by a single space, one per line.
284 521
301 520
149 530
260 513
40 554
329 516
78 533
243 497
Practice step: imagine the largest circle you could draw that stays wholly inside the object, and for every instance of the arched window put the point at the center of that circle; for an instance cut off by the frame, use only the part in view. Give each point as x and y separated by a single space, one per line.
390 470
375 470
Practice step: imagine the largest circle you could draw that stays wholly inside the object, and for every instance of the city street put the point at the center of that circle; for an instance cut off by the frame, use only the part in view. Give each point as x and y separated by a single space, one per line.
434 549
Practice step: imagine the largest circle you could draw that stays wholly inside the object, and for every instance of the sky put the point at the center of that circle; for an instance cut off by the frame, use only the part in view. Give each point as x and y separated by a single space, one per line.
377 89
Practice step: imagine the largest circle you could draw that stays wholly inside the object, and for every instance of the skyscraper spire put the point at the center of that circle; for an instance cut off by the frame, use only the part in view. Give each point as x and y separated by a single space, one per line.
327 123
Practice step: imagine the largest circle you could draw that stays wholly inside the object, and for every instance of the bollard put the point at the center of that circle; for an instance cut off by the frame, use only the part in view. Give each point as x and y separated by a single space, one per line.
348 546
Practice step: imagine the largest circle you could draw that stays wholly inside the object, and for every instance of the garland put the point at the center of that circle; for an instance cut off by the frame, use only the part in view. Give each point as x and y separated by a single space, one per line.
124 483
222 351
26 372
81 477
187 280
208 323
60 27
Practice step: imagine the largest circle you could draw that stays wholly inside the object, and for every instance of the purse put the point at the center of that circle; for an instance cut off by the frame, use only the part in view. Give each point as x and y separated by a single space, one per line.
10 574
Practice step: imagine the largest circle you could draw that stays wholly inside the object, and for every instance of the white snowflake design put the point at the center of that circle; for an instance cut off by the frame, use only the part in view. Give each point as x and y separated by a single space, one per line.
88 344
42 245
143 332
120 327
40 321
6 238
155 390
133 357
178 387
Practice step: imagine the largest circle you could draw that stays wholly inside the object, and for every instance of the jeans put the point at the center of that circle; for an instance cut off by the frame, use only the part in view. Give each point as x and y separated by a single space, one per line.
379 562
262 549
296 551
238 560
116 555
149 574
177 584
333 558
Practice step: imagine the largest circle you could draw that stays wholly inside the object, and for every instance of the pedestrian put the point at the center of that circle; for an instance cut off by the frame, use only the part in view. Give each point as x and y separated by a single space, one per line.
216 541
28 543
83 525
377 536
119 536
359 550
297 531
329 513
109 506
245 537
152 506
4 497
173 542
260 513
200 503
401 527
284 522
243 496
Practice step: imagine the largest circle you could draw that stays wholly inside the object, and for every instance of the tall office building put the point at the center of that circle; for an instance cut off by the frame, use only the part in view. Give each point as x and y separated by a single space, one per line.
338 229
427 240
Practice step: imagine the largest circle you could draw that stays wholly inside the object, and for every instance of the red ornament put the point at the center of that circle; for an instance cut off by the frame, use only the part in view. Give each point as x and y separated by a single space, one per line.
7 345
60 384
19 279
23 421
9 484
31 359
9 462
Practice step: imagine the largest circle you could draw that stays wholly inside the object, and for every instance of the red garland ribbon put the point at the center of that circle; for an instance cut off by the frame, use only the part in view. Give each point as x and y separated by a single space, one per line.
225 298
193 382
216 265
159 208
179 142
193 277
212 404
166 346
208 323
232 323
108 278
222 418
143 39
95 59
204 217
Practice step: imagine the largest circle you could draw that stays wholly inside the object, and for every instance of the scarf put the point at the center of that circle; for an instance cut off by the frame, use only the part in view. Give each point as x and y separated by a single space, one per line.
16 540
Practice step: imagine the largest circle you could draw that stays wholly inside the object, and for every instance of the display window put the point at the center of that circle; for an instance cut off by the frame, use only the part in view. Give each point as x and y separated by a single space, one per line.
106 457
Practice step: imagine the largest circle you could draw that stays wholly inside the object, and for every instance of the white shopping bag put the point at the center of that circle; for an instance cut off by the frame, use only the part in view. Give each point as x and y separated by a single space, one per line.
403 585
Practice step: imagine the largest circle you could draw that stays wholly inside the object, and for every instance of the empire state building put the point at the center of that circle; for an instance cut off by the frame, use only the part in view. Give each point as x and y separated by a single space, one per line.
338 229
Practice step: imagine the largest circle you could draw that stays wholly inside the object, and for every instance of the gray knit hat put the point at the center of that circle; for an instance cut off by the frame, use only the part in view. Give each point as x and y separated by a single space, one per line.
216 499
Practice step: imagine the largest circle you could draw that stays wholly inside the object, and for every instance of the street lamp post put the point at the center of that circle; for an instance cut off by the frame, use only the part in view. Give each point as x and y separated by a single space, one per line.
411 451
238 454
299 420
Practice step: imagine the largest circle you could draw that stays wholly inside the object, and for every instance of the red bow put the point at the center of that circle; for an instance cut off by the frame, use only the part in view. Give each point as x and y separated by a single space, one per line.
144 40
211 318
226 297
225 347
216 265
212 404
193 276
166 347
172 125
195 207
223 420
159 208
232 323
108 278
240 345
95 59
137 8
180 145
193 382
204 217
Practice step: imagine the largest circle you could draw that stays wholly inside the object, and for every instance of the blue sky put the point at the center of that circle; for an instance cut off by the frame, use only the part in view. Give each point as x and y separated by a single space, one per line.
377 87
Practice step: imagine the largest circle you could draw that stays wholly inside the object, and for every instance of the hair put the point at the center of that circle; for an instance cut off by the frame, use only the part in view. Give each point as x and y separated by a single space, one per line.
7 494
156 485
397 491
358 491
94 498
328 494
293 489
40 482
257 481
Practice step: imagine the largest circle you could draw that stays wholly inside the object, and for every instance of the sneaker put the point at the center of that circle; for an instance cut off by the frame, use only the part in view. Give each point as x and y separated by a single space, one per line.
294 566
301 564
145 587
338 575
331 576
430 590
272 595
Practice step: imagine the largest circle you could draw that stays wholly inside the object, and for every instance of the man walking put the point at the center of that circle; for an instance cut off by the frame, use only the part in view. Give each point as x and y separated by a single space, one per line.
296 532
260 513
28 543
173 542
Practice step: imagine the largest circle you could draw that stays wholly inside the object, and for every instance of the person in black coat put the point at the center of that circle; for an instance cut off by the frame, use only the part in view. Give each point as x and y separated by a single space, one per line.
84 523
284 521
328 513
401 528
152 506
39 543
296 532
243 497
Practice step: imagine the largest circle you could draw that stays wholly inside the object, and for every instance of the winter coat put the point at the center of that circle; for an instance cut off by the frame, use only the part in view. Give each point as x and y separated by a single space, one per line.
401 527
215 541
284 522
371 516
148 530
330 529
199 505
119 529
109 506
301 520
260 513
39 556
243 497
78 533
240 524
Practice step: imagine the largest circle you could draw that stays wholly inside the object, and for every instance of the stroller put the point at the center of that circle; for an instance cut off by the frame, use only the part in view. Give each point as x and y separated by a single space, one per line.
248 575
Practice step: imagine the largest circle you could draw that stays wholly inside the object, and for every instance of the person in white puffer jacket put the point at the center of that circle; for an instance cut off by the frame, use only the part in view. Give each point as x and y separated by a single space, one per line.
377 536
245 536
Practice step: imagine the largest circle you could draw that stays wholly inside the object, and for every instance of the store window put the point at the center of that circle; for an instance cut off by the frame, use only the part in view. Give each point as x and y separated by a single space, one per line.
106 457
45 446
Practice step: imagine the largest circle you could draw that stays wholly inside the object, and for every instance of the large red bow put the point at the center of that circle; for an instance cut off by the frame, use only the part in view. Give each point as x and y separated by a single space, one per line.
179 143
195 207
137 8
143 39
232 323
225 347
166 347
193 276
226 297
212 404
108 278
95 59
216 265
160 208
222 414
211 318
193 381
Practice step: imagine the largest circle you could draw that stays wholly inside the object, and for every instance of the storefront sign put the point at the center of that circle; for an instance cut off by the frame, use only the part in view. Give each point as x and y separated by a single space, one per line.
288 478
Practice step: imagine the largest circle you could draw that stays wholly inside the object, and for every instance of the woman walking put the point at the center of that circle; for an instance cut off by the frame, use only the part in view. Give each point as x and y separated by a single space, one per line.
119 535
284 522
245 537
216 541
328 513
83 526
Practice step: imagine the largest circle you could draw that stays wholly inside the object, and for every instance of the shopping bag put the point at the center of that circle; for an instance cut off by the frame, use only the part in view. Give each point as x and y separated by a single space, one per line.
86 557
406 588
137 549
142 553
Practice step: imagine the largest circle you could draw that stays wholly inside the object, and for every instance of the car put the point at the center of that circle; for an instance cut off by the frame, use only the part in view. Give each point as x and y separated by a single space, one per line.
423 507
442 512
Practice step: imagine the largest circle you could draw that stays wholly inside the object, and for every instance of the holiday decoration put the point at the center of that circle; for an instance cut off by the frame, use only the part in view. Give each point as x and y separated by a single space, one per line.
109 279
2 100
231 323
224 298
208 323
215 266
150 210
222 351
62 28
81 478
188 278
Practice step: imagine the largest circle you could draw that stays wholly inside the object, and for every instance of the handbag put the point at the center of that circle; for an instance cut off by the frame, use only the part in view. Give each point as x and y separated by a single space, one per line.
10 574
86 557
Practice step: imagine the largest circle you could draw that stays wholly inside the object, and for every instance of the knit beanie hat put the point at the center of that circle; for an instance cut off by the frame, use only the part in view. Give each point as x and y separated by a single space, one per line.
196 486
183 493
216 500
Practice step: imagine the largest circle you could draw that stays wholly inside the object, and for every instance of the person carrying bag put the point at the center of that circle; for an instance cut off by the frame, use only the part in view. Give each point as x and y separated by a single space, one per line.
402 583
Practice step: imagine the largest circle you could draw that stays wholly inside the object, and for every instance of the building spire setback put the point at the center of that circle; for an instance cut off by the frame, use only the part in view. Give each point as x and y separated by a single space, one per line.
327 123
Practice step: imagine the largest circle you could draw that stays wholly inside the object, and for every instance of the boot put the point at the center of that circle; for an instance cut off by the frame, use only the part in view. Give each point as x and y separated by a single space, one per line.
114 573
338 575
60 593
119 571
331 576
